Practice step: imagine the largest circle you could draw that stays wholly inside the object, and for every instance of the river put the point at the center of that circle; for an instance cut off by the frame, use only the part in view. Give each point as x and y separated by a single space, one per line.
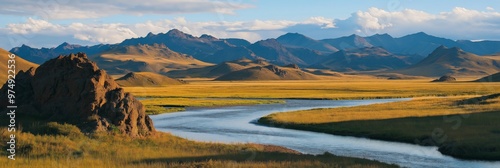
237 125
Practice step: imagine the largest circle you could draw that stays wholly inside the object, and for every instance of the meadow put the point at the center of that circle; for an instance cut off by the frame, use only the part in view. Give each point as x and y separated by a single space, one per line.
317 89
62 145
167 105
463 127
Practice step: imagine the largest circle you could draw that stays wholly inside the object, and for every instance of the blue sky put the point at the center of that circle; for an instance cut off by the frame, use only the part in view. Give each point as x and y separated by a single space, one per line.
48 23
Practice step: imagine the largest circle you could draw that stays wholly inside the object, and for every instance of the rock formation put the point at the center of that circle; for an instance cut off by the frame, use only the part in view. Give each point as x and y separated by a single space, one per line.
74 90
445 78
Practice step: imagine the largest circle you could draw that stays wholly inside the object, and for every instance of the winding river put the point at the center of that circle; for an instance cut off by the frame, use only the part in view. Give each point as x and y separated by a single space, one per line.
237 125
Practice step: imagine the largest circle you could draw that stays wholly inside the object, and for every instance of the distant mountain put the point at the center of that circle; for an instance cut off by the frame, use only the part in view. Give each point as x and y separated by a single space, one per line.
290 48
453 61
145 58
348 42
231 53
146 79
296 40
181 42
269 72
421 43
39 56
237 42
20 63
276 53
363 59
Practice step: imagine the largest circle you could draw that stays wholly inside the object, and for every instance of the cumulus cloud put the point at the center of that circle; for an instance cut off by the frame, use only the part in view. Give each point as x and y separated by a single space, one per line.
70 9
459 23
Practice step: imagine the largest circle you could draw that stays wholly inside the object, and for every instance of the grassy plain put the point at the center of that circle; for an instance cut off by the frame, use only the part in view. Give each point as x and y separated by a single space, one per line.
320 89
464 127
68 147
165 105
61 145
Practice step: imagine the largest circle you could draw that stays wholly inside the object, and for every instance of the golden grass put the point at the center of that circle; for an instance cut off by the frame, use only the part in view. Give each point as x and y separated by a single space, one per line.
102 150
320 89
166 105
20 64
420 107
462 127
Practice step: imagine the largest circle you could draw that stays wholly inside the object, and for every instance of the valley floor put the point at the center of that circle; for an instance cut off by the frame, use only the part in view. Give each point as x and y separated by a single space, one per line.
433 117
463 127
65 146
471 128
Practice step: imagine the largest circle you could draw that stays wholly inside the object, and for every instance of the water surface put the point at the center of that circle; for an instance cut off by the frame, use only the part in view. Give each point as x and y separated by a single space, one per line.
236 125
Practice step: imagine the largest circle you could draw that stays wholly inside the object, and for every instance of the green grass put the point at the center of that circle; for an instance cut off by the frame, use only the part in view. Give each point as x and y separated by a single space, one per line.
63 145
461 127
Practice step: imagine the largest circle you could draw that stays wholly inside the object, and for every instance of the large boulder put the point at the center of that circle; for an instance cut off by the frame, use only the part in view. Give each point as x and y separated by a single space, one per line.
74 90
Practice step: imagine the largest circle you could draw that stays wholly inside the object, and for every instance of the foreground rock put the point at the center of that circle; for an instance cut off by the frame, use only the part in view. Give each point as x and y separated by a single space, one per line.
74 90
445 78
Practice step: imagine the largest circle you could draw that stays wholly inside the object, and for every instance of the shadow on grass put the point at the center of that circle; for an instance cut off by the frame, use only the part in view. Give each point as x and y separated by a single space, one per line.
466 136
265 157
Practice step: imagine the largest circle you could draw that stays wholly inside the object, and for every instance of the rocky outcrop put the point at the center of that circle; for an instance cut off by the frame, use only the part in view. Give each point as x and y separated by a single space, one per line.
74 90
445 78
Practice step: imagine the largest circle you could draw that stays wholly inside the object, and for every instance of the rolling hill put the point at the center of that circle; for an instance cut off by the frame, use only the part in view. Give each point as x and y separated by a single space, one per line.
363 59
145 58
146 79
269 72
230 54
453 61
20 63
490 78
276 53
219 69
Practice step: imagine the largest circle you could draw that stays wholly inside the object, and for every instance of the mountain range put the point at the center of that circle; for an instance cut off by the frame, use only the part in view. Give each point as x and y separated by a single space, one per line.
453 61
175 51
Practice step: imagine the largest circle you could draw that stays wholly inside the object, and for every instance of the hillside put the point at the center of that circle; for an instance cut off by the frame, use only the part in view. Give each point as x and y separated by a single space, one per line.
230 54
296 40
269 72
219 69
146 79
453 61
41 55
20 63
348 42
490 78
276 53
364 59
145 58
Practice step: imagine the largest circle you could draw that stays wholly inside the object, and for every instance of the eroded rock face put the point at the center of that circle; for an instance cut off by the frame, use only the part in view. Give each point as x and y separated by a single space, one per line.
73 89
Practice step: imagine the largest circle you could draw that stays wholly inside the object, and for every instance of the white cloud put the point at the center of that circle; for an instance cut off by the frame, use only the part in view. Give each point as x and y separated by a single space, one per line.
325 22
66 9
459 23
489 8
